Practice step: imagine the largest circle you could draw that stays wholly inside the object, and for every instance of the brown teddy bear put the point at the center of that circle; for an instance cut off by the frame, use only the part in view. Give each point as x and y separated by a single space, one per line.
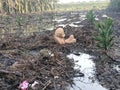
59 37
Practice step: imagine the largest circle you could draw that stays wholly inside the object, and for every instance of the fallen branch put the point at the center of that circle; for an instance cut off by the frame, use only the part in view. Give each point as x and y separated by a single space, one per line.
9 51
8 72
47 84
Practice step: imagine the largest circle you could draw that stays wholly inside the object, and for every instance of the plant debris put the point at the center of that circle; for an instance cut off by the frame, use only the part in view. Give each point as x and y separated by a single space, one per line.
37 57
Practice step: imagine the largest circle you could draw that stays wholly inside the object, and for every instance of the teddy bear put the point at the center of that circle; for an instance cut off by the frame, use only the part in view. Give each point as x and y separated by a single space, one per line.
59 37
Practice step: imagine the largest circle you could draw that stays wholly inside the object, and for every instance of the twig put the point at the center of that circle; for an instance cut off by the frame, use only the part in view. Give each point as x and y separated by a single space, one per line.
8 72
111 58
55 85
47 84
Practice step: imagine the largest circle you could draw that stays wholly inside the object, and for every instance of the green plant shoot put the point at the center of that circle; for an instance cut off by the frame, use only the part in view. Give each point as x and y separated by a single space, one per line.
90 17
19 21
104 36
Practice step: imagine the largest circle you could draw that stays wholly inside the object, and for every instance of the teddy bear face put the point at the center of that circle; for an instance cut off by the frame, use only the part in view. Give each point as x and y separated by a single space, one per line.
60 33
59 36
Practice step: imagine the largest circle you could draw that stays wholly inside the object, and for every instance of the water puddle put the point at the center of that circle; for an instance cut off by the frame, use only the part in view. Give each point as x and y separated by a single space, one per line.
82 16
104 16
77 22
69 20
73 25
84 63
62 25
82 19
117 68
50 28
97 19
74 13
60 20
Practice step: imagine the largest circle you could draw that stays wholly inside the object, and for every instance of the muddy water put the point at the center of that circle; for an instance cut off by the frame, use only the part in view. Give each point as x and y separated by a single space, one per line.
84 63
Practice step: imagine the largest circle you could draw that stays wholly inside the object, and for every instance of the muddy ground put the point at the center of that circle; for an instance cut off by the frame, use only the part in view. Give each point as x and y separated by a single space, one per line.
29 59
38 57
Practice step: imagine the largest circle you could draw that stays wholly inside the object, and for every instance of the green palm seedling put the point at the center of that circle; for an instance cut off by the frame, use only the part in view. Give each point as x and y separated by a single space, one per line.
19 21
104 36
90 17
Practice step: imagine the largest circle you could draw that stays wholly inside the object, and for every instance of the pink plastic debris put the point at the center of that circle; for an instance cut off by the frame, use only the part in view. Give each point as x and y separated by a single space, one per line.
24 85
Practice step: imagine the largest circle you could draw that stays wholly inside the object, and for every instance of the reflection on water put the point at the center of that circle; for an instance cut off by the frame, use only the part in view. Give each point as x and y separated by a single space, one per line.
104 16
87 66
97 19
62 25
117 68
60 20
83 16
73 25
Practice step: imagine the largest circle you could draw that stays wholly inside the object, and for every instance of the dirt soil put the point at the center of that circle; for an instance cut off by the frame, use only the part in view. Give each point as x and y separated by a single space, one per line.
39 58
106 74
